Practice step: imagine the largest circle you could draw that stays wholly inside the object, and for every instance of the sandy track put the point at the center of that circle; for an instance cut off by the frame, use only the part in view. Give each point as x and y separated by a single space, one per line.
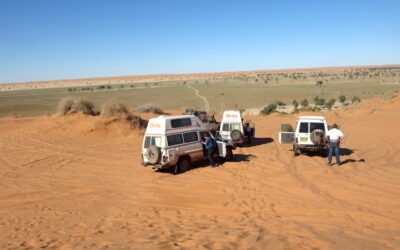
71 183
203 98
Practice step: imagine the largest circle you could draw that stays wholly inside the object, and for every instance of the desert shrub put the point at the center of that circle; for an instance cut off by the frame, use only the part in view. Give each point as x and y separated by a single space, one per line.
329 104
355 99
115 108
319 101
70 105
136 121
120 110
268 109
319 83
304 103
148 108
280 103
295 103
342 99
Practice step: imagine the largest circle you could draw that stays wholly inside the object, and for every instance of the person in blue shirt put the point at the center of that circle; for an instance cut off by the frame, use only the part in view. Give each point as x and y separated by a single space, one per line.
210 147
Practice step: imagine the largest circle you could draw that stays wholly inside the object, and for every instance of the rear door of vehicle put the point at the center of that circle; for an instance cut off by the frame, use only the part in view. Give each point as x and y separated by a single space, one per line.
286 135
304 132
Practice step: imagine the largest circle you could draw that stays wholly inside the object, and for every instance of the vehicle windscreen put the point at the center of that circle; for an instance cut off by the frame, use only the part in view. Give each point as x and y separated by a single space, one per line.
231 126
316 125
152 141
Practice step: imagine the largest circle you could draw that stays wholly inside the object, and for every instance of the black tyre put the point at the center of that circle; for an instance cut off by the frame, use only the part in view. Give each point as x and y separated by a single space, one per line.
236 135
153 154
229 154
296 151
183 165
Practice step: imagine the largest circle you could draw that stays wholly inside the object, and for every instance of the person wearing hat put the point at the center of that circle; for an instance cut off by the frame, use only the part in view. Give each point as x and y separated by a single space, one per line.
334 137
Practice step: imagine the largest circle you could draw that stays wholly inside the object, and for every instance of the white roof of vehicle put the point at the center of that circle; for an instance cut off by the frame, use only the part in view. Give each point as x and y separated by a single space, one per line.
312 118
231 116
162 124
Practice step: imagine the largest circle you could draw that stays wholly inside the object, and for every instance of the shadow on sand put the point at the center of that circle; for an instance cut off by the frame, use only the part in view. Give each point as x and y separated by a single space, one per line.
256 141
219 161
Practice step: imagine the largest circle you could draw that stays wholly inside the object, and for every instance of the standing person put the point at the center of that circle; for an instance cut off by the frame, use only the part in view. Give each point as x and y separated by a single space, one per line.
247 130
210 147
334 137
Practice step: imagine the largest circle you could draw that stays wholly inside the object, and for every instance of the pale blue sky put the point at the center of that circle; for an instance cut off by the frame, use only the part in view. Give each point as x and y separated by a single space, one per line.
54 39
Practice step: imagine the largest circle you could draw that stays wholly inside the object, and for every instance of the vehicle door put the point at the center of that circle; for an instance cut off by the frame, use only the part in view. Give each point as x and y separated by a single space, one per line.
286 134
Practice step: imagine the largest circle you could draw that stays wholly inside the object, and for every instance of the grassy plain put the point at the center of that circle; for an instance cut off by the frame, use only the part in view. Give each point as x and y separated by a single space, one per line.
245 91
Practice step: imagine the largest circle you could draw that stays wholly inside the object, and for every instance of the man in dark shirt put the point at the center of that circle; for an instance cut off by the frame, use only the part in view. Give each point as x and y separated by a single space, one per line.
210 147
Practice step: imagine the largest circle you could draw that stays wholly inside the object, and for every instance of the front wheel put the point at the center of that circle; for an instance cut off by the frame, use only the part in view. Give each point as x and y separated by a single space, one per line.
296 151
229 154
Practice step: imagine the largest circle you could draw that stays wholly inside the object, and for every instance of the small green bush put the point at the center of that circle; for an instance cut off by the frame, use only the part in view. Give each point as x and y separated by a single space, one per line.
295 103
355 99
342 99
304 103
330 103
268 109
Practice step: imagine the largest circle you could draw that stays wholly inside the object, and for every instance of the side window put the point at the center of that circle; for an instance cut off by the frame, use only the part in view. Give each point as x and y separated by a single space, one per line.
147 141
190 137
303 127
225 127
183 122
174 139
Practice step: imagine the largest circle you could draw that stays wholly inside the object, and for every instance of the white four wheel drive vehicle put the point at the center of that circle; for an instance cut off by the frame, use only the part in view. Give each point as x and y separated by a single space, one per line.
309 135
175 142
231 127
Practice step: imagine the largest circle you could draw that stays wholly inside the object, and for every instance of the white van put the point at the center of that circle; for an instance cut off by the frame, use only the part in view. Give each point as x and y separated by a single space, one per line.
175 141
231 127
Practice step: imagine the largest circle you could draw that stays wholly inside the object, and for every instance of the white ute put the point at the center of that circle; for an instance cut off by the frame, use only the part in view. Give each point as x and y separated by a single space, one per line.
175 141
309 135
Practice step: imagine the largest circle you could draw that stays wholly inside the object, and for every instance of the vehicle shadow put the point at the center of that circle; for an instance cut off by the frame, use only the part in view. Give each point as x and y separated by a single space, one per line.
256 141
342 152
219 161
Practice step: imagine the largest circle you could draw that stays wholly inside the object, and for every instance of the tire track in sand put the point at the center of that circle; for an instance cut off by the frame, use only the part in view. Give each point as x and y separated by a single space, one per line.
203 98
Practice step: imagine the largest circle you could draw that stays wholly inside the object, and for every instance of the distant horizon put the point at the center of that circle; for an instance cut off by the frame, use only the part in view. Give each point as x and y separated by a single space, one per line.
395 65
47 40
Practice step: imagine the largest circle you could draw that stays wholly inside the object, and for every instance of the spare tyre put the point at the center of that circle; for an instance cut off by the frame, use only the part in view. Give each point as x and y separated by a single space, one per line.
317 137
153 154
236 135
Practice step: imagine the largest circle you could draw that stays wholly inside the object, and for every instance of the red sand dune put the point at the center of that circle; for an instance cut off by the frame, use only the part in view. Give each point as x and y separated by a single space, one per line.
76 182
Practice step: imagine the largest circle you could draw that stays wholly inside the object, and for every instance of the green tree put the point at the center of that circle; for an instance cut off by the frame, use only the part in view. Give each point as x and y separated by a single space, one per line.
355 99
342 99
304 103
319 101
329 104
295 104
